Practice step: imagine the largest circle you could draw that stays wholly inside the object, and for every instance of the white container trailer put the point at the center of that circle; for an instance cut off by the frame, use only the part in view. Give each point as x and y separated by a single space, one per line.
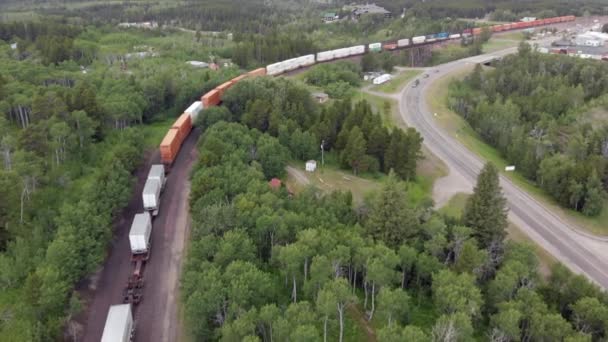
151 196
403 42
382 79
325 56
375 47
418 40
157 172
194 110
356 50
454 36
307 60
139 235
119 324
274 69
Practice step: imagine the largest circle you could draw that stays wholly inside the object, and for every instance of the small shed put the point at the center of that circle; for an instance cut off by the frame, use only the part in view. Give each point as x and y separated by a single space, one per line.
275 183
320 97
311 165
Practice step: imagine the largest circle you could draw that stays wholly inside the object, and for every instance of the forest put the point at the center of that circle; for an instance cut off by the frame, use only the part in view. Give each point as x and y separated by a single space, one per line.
74 115
534 109
268 265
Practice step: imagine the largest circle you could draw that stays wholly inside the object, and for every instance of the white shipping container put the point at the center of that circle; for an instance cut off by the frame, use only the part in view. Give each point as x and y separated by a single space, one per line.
341 53
403 42
454 36
157 172
325 56
274 69
307 60
139 235
151 195
119 324
382 79
375 46
418 40
356 50
194 110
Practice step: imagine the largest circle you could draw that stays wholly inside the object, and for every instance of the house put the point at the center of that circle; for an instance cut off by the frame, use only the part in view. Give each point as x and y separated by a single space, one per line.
330 17
320 97
198 64
370 9
275 183
311 165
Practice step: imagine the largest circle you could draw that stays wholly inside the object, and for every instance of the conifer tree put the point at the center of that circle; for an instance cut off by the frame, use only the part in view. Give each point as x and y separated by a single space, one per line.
486 210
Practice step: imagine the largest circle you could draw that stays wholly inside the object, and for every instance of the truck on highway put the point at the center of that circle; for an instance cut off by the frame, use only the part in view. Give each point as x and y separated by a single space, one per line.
151 196
139 236
119 324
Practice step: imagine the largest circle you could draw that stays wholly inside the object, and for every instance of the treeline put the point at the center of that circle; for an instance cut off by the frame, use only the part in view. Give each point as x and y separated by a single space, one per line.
264 265
531 108
42 264
285 110
263 49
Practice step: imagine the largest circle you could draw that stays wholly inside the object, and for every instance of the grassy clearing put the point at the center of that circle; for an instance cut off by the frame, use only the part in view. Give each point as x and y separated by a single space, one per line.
155 132
379 106
398 82
498 44
464 133
511 35
455 205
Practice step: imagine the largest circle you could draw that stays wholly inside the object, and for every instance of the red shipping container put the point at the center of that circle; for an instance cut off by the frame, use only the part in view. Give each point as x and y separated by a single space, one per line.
476 31
238 79
211 99
223 87
257 72
169 147
390 46
183 124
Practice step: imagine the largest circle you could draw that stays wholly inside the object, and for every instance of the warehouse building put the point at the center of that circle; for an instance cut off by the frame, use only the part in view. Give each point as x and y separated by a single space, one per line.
590 38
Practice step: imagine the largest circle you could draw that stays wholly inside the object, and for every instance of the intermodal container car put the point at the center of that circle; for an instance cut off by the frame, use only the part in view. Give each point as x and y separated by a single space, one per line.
257 72
238 79
389 46
169 147
211 99
183 124
223 87
442 35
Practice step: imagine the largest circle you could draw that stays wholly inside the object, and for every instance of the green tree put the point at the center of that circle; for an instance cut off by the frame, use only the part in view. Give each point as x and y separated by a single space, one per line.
338 292
594 198
354 151
453 328
393 304
456 293
272 155
486 210
590 316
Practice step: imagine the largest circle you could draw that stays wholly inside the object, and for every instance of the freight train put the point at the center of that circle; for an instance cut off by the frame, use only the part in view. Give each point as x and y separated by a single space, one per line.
119 321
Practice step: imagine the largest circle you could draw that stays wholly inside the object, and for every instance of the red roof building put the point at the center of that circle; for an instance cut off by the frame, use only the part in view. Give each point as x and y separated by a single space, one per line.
275 183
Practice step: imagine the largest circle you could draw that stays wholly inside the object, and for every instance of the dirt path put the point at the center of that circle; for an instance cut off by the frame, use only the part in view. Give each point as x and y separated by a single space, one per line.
298 175
358 316
157 316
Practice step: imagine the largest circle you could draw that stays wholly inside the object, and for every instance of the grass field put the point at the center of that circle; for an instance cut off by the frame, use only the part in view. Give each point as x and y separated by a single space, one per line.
462 131
498 44
155 132
397 82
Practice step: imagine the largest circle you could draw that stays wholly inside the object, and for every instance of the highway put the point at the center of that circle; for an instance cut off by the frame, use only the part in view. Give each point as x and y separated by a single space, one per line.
583 253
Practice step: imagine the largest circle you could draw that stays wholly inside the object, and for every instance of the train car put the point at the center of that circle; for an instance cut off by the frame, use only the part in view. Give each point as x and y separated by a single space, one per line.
169 147
497 28
194 110
442 35
238 79
389 46
356 50
403 42
257 72
211 99
183 124
325 56
374 47
418 40
467 31
454 36
476 31
223 87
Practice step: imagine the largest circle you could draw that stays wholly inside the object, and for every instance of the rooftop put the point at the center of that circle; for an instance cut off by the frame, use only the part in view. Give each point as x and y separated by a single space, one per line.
369 9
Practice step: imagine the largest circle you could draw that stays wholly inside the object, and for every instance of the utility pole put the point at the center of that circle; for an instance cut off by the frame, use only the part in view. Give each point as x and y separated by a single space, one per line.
322 153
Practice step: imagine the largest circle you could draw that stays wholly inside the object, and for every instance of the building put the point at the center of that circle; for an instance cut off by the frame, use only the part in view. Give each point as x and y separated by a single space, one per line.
144 25
330 17
320 97
311 165
593 39
382 79
370 9
528 19
198 64
275 183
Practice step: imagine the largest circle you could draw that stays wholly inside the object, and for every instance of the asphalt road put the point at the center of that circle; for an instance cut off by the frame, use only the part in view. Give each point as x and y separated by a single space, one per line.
581 252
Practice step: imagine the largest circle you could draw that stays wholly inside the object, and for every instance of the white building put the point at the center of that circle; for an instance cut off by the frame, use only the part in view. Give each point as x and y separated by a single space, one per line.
590 38
311 165
382 79
198 64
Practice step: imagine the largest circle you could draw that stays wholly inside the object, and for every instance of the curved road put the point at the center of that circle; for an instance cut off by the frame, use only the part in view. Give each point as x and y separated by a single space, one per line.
581 252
